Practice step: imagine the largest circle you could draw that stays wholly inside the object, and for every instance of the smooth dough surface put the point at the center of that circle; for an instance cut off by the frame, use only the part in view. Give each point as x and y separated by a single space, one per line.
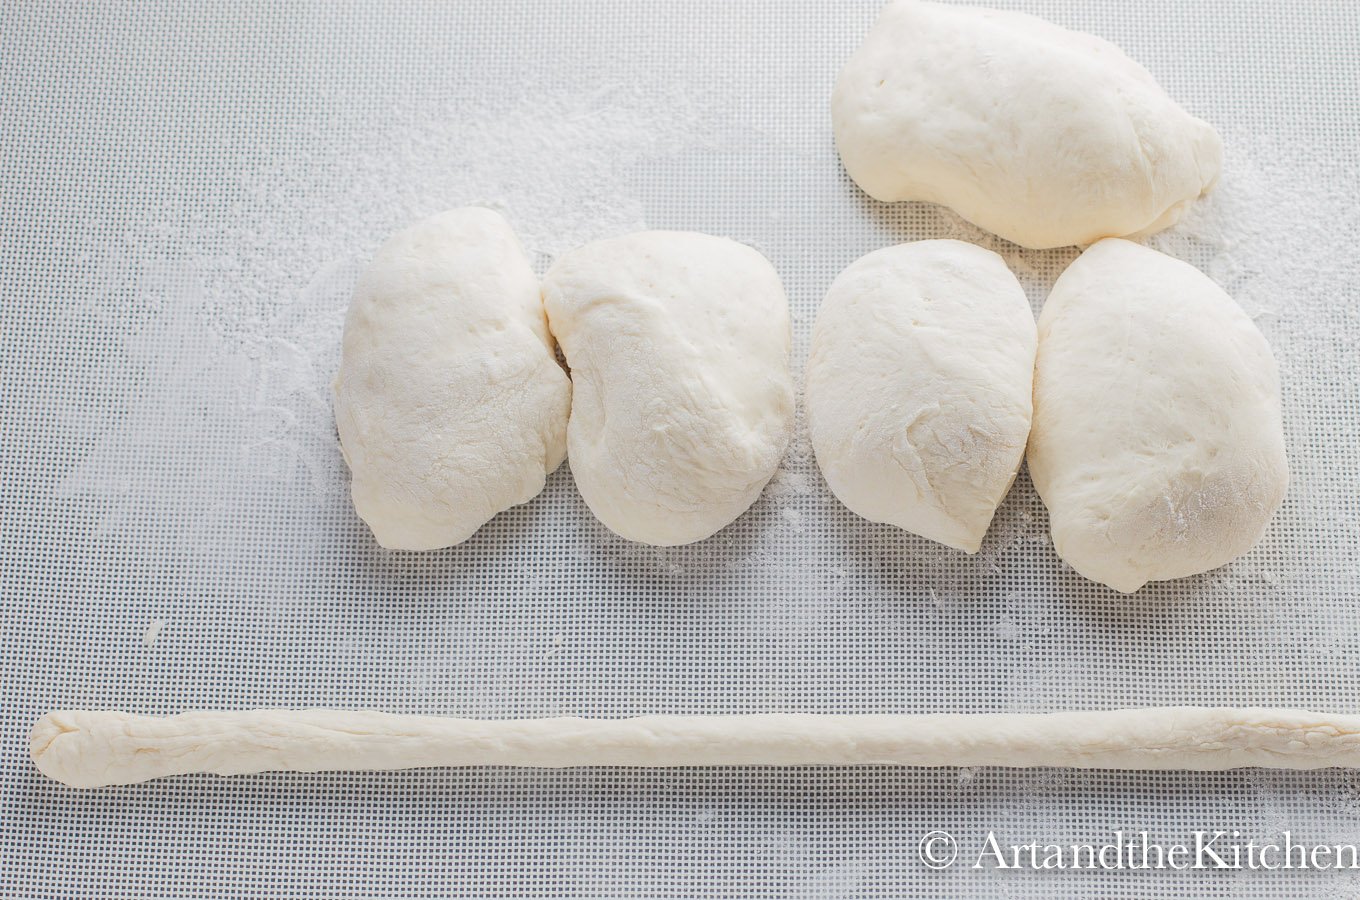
1157 443
678 345
90 749
918 387
450 403
1044 136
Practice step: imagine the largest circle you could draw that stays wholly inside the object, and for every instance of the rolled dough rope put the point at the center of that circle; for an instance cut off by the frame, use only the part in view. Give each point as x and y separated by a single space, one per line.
90 749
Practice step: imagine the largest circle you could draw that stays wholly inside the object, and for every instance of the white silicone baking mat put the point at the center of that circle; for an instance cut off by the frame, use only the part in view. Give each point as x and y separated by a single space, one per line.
187 191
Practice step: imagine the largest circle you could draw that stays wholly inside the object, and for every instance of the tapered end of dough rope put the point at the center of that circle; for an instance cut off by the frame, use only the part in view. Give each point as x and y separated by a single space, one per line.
49 745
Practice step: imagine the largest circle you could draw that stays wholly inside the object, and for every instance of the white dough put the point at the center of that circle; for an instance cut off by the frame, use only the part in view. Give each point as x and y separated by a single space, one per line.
91 749
450 404
1157 443
678 345
1045 136
918 387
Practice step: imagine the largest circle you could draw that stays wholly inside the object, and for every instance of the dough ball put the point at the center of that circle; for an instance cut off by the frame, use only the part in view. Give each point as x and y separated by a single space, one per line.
1157 442
678 345
1045 136
918 387
450 403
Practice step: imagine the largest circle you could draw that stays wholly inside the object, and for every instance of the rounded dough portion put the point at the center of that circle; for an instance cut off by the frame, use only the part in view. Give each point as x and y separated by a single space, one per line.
678 345
1044 136
450 403
918 387
1157 443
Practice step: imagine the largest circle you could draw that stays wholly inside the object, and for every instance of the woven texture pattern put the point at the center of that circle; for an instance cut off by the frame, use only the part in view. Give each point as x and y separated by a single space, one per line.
187 192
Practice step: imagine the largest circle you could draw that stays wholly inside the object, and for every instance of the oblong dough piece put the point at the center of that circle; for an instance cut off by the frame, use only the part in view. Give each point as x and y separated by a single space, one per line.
1157 444
450 403
678 345
918 387
1044 136
93 748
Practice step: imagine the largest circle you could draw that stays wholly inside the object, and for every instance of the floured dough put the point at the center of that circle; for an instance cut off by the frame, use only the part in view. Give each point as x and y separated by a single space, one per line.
450 404
678 345
1157 444
918 387
91 749
1044 136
